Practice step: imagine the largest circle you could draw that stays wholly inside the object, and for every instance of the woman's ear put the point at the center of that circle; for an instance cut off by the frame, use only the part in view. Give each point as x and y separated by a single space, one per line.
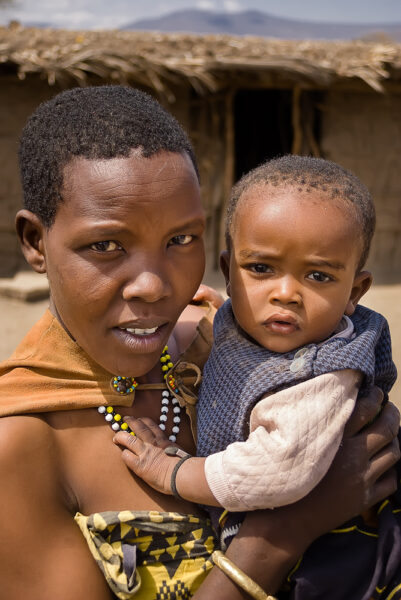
30 231
225 267
362 283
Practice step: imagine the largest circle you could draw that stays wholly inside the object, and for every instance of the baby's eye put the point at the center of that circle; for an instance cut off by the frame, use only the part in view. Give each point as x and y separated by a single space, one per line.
260 268
181 240
107 246
320 277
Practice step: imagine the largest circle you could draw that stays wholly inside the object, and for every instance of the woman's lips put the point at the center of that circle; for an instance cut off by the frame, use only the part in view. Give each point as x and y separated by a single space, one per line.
141 339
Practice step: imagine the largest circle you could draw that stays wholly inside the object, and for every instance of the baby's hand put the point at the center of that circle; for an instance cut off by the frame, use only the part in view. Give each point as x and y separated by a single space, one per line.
144 453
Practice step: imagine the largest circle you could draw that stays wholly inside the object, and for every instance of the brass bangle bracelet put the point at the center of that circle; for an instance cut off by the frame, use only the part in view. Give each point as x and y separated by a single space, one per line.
239 577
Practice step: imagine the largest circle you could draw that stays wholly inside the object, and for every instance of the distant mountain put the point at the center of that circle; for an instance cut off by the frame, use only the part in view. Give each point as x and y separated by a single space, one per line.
253 22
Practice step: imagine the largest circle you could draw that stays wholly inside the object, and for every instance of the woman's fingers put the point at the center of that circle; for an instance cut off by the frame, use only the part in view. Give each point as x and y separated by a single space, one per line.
382 431
206 293
383 487
366 409
384 460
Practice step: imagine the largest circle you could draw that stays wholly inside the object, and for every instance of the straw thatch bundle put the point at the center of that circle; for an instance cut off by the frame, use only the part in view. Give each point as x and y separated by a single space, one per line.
207 63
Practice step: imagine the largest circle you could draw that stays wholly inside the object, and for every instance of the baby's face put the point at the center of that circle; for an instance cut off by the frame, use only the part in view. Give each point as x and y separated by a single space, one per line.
292 265
125 255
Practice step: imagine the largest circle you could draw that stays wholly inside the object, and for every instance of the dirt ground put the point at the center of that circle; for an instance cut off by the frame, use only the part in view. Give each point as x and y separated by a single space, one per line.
16 317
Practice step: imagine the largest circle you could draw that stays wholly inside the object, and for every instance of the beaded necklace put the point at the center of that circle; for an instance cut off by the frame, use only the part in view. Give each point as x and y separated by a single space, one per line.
126 385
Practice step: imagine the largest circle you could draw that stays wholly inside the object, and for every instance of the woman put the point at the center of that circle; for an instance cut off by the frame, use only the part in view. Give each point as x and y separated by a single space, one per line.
113 216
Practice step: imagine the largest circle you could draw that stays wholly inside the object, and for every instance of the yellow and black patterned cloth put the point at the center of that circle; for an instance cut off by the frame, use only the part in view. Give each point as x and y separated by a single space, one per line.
150 555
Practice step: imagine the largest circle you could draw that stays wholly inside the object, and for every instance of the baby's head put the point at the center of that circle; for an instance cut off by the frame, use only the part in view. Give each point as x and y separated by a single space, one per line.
112 214
298 232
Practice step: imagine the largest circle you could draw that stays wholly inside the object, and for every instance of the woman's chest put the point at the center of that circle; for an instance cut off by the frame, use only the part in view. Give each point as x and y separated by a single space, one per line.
96 478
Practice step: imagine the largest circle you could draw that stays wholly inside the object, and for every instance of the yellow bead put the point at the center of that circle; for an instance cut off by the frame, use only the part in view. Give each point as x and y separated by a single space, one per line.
165 349
132 433
109 409
117 417
164 368
124 426
163 359
170 365
168 356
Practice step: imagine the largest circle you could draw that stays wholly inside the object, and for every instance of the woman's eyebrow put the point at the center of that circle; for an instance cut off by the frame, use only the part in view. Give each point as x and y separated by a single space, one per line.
196 222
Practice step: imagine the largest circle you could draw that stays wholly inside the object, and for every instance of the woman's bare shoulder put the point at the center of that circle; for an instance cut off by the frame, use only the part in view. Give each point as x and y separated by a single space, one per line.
19 430
34 515
27 448
185 330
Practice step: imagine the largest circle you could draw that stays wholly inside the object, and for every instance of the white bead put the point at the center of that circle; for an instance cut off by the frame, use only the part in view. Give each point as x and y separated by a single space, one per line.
162 426
163 418
166 393
172 438
175 429
109 417
165 401
115 426
176 409
164 409
177 420
101 409
175 401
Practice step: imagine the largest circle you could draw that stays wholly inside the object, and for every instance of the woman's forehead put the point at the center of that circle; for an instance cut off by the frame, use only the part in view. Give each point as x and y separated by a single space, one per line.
124 188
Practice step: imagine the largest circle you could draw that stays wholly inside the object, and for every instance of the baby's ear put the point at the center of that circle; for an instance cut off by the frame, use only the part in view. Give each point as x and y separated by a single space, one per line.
225 267
30 230
362 283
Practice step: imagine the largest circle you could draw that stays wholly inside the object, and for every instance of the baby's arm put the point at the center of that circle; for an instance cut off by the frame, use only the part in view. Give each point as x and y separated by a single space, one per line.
145 455
295 436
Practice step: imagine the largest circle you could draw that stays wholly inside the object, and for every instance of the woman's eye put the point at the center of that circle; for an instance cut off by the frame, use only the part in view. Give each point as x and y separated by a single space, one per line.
260 268
181 240
320 277
107 246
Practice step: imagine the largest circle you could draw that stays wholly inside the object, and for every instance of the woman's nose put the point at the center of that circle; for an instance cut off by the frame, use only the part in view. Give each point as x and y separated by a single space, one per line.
148 285
286 290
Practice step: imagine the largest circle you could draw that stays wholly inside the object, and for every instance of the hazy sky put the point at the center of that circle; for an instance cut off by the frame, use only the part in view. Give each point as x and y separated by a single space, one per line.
90 14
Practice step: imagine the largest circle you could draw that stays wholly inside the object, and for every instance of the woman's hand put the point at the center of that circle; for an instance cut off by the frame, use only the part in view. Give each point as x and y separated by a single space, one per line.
270 542
206 293
361 475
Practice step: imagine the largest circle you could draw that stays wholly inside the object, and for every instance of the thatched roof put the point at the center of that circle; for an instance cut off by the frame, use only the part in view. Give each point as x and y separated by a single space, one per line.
208 63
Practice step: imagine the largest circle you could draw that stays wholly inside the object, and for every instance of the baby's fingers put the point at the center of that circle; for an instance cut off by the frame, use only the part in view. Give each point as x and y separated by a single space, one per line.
148 461
130 442
148 431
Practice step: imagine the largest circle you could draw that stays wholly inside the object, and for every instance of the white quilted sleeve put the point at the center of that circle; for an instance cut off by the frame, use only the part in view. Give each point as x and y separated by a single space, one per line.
294 437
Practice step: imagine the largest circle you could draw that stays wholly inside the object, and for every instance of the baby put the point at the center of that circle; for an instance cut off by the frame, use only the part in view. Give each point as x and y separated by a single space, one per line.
292 348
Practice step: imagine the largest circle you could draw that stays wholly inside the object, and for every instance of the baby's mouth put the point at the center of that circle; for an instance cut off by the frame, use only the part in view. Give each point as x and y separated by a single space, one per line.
281 324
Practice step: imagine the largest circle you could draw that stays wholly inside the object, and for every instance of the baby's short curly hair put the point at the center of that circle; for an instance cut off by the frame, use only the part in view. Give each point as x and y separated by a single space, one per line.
310 174
95 123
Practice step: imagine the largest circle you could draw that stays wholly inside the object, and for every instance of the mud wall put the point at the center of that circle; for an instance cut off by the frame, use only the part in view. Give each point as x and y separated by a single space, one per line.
362 131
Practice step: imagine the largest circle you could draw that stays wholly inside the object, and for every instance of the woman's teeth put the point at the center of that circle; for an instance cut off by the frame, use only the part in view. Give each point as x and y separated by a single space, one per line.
137 331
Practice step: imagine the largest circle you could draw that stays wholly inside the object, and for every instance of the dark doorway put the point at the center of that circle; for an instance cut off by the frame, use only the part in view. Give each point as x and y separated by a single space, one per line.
263 127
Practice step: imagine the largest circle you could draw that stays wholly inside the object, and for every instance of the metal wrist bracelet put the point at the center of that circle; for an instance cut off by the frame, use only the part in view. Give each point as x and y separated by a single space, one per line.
239 577
174 451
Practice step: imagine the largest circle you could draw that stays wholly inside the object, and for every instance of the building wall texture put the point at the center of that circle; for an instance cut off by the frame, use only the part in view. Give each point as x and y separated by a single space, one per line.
362 132
17 101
